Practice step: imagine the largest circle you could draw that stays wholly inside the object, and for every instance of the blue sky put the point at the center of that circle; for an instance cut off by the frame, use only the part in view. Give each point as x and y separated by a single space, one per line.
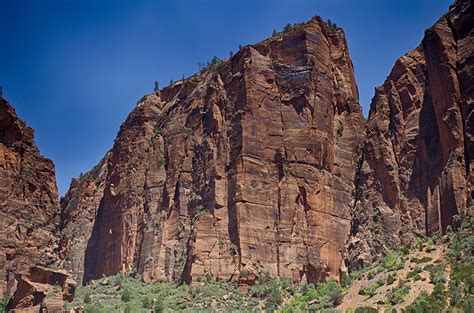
74 69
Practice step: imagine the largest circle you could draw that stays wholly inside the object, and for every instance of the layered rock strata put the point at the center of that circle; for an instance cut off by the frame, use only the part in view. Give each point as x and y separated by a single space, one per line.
29 208
248 165
417 169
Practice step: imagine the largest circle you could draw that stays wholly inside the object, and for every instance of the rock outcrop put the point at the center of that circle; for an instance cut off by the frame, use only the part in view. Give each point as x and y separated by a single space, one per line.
417 164
29 222
248 165
29 208
42 290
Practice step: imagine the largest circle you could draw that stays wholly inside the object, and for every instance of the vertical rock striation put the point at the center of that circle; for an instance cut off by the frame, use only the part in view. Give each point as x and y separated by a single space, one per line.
416 172
29 209
248 165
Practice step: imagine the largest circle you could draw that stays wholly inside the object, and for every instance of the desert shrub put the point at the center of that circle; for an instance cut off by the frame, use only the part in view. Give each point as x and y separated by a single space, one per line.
425 303
390 260
370 291
370 275
397 295
126 294
415 273
366 309
391 278
340 130
97 307
3 305
322 298
86 298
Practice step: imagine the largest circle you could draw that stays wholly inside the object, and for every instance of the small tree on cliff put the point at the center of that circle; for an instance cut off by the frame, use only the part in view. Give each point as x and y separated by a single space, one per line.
157 86
287 27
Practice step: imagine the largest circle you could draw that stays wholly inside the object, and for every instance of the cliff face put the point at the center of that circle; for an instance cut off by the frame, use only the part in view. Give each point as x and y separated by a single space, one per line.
417 165
249 164
29 209
264 161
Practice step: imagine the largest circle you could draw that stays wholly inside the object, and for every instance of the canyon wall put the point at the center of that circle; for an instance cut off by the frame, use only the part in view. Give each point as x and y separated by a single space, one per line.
248 165
416 172
263 161
29 208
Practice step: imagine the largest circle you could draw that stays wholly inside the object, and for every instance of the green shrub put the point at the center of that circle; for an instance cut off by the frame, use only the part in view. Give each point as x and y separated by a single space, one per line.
390 260
424 259
87 298
3 305
340 130
366 309
415 273
126 294
397 295
370 291
425 304
391 278
370 275
159 308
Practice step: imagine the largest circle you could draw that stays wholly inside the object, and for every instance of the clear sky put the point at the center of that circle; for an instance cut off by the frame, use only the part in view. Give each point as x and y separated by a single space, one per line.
74 69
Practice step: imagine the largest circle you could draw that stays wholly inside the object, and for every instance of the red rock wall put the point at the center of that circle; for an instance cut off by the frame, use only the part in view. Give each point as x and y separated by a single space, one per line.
245 166
418 153
29 209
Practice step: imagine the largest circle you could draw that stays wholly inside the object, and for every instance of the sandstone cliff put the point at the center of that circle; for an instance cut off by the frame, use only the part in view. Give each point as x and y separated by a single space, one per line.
29 209
263 161
248 165
417 164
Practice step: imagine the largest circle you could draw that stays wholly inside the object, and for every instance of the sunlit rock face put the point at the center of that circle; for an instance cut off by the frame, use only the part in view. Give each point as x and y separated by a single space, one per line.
416 172
29 208
248 165
264 162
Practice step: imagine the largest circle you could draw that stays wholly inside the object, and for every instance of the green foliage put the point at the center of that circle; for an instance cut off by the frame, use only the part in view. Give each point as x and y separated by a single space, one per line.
87 298
340 130
370 291
3 305
126 294
330 26
366 309
200 213
370 275
159 131
425 304
162 161
309 298
391 278
424 259
397 295
390 260
415 273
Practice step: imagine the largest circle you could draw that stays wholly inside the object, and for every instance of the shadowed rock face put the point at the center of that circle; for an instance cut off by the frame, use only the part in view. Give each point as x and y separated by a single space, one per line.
29 209
418 156
247 165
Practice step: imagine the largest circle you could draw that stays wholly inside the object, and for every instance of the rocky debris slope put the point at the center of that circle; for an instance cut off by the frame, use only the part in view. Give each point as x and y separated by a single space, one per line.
248 165
29 209
42 290
417 164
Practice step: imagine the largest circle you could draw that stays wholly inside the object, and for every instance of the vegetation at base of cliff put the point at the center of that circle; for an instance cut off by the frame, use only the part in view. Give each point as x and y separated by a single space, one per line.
3 305
452 280
458 295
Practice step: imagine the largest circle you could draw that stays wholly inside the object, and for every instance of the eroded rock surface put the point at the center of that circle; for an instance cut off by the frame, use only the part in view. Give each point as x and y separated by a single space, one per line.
248 165
418 156
42 290
29 209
